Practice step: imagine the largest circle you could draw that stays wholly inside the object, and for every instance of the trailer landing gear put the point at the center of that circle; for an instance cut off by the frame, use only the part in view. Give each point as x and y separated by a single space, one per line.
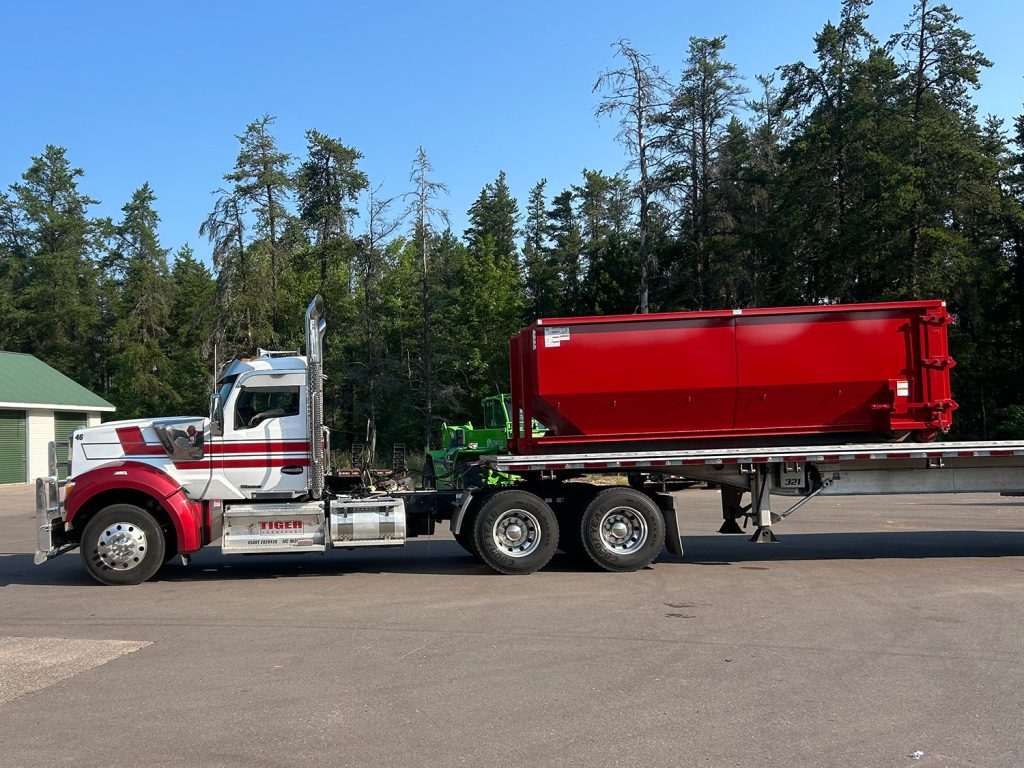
759 510
732 509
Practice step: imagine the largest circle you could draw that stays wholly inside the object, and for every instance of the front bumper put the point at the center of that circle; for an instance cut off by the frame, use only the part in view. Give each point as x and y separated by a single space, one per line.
50 540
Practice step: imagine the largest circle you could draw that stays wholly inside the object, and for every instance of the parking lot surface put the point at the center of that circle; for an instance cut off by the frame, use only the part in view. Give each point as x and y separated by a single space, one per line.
876 628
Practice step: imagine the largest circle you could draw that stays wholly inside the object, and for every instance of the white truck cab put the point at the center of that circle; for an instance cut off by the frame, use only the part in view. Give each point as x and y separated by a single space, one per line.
259 441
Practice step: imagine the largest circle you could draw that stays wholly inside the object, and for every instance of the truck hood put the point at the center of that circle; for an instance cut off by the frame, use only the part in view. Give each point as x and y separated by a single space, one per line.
163 420
138 438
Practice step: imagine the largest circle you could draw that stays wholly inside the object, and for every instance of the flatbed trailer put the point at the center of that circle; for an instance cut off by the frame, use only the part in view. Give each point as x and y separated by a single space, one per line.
799 473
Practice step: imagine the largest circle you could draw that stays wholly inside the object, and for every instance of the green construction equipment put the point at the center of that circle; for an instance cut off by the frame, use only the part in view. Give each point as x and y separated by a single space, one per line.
456 463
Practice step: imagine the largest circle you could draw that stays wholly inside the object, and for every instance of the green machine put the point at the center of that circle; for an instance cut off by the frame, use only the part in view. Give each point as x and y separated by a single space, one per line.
455 465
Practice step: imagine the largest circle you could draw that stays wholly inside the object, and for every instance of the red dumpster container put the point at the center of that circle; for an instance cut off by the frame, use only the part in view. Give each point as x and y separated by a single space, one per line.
880 371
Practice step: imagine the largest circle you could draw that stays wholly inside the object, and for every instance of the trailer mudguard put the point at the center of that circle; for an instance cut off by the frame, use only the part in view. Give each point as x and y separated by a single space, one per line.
136 476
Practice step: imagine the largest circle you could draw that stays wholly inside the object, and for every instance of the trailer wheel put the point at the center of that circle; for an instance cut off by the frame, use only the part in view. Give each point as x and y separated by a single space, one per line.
622 530
515 532
122 544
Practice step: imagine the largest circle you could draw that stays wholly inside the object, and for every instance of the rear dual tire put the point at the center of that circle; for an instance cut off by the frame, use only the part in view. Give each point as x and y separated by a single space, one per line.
514 532
517 532
622 529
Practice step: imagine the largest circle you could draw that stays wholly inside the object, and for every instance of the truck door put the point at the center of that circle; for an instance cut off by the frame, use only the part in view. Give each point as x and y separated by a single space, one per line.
264 451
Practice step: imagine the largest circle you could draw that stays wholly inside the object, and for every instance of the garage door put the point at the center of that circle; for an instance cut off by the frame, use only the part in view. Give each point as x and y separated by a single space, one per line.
12 447
63 425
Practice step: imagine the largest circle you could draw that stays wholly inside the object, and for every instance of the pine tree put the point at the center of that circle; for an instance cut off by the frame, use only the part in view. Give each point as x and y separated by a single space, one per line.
190 323
329 184
817 194
696 131
540 273
495 214
242 293
604 211
942 64
263 182
567 251
52 270
139 364
13 263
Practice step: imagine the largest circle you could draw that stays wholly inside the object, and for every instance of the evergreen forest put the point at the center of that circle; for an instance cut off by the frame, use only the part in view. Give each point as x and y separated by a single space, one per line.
863 174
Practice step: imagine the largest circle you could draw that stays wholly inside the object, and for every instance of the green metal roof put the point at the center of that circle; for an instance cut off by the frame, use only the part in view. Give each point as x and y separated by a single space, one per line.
26 381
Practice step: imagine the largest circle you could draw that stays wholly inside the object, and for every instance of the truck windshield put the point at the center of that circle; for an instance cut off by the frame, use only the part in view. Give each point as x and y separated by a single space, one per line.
226 386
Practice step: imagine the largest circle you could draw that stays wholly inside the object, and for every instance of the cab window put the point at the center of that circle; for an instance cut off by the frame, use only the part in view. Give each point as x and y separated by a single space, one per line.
494 417
256 405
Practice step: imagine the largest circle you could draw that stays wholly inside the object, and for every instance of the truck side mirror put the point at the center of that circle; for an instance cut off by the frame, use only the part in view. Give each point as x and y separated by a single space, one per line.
216 415
181 438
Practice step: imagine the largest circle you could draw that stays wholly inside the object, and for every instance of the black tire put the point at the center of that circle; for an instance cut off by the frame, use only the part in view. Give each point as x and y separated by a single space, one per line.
122 544
526 548
170 542
642 530
636 480
465 535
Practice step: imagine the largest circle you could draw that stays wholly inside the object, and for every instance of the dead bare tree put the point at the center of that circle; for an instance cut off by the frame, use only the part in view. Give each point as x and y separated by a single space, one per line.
424 213
370 255
636 92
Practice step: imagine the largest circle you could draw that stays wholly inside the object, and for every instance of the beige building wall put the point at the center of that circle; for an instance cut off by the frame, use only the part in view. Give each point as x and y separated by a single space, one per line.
39 431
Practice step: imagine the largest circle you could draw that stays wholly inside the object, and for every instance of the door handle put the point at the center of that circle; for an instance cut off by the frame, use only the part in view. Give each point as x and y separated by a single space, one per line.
292 469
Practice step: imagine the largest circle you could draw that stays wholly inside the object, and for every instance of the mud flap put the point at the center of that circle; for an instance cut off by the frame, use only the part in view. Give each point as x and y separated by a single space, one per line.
667 504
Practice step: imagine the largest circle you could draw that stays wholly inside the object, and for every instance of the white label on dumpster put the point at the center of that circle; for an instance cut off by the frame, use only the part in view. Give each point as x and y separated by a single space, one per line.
553 337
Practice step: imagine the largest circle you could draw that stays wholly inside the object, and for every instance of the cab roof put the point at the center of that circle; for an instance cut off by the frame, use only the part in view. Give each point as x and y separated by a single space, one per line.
266 363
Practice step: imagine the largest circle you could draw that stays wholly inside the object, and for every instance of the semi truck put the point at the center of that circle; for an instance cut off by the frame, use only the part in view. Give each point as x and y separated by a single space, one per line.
760 403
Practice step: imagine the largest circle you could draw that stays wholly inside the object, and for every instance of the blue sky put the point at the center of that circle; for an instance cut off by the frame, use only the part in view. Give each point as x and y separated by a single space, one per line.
157 92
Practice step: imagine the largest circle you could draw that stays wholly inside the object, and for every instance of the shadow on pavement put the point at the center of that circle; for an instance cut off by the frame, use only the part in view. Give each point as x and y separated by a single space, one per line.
874 545
434 557
447 558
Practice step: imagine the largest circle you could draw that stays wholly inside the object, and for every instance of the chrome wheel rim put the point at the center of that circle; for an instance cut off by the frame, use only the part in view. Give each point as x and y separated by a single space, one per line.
623 530
121 547
516 533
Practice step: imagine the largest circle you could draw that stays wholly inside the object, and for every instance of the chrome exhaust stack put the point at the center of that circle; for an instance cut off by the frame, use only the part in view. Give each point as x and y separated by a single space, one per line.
316 327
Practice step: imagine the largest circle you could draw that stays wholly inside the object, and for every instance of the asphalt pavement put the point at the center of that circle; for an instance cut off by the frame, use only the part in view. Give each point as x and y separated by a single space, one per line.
875 629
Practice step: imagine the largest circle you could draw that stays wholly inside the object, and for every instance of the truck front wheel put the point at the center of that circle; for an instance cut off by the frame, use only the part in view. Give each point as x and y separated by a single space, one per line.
122 544
622 530
515 532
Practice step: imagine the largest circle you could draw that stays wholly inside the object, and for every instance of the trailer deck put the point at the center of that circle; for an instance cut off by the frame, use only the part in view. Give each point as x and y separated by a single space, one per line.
802 471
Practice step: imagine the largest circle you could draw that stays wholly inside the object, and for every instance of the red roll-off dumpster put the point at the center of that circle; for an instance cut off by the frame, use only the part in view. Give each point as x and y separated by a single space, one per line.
878 370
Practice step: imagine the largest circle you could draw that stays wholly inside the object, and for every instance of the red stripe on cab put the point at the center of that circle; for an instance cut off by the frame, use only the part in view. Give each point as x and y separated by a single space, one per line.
134 444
